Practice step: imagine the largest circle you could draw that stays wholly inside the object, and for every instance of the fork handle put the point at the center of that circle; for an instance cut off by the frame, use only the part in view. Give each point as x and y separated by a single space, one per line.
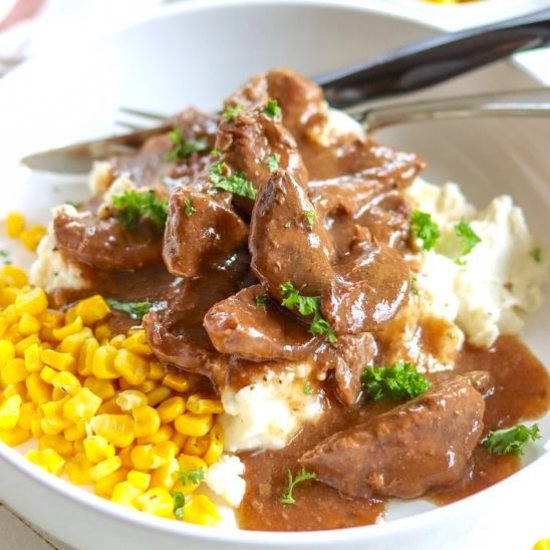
434 60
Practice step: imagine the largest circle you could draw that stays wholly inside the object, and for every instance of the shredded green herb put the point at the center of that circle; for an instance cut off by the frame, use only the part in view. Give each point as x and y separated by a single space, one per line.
136 310
179 503
232 112
424 228
511 440
134 206
183 148
261 301
467 235
272 161
215 152
414 288
238 184
301 476
399 382
272 109
308 390
287 224
536 254
188 207
310 216
191 476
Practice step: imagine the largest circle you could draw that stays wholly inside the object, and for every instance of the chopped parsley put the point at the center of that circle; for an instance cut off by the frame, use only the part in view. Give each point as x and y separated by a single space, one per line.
183 148
215 152
536 254
261 301
134 206
511 440
399 382
272 161
232 112
188 207
424 229
467 235
308 390
287 224
179 503
307 305
414 288
192 476
301 476
136 310
272 109
237 183
310 217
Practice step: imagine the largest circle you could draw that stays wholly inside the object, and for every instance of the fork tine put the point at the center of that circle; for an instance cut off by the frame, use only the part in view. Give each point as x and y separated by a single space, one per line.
143 114
131 125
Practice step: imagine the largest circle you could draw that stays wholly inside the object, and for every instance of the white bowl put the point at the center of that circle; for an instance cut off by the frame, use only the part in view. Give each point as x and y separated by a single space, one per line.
196 54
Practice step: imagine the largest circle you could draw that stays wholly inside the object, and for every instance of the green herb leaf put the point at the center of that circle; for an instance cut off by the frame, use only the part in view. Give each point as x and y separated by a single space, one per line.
215 152
467 235
414 288
307 305
179 503
310 216
287 224
261 301
308 390
272 161
234 183
399 382
536 254
232 112
183 148
188 207
272 109
136 310
511 440
301 476
134 206
424 229
191 476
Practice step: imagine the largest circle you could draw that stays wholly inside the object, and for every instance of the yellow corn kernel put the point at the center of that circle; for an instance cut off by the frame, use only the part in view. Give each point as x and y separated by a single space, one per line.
16 389
14 437
78 445
75 432
177 382
193 425
7 352
33 363
102 332
199 509
158 395
143 458
67 330
204 404
23 344
156 371
12 275
166 450
116 428
25 414
103 362
67 382
109 407
215 447
543 544
125 494
28 324
147 421
137 343
79 470
14 336
97 448
125 456
117 341
56 442
131 399
106 467
178 440
147 387
34 302
48 459
91 310
156 501
105 486
9 412
47 374
140 480
8 295
165 476
170 409
39 391
32 236
54 422
36 420
133 368
14 371
196 446
58 361
164 433
123 385
86 357
74 342
81 406
190 463
102 388
15 224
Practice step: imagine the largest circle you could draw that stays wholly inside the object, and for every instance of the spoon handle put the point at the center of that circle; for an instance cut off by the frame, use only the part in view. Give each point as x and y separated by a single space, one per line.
422 64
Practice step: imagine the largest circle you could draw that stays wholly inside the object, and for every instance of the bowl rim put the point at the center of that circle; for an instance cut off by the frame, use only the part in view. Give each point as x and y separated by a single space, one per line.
247 538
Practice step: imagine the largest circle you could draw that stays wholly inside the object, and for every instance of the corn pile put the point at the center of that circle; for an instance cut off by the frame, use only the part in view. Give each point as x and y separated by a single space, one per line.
16 227
104 412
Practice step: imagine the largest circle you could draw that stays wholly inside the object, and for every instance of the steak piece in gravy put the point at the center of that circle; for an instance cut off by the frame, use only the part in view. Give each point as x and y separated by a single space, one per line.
200 232
403 453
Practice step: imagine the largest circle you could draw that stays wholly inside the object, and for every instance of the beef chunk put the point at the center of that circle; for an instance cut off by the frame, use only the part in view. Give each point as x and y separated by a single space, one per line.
403 453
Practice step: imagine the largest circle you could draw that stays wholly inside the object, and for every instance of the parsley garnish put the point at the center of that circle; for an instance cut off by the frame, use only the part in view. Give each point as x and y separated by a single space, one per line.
134 206
308 390
183 148
215 152
307 305
424 228
136 310
310 217
536 254
301 476
272 161
414 288
191 476
232 112
287 224
399 382
272 109
511 440
179 503
261 300
234 183
468 236
188 207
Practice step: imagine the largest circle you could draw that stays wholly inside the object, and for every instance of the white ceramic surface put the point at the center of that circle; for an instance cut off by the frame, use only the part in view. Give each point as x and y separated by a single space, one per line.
196 54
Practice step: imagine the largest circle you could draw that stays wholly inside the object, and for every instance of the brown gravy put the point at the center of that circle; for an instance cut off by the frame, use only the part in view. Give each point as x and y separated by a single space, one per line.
521 391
